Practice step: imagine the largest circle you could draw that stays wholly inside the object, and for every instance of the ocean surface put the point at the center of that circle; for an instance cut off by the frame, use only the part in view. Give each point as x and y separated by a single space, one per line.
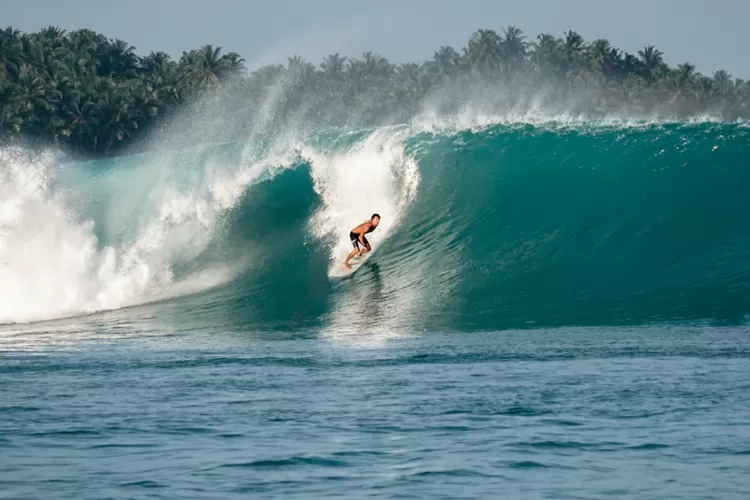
553 309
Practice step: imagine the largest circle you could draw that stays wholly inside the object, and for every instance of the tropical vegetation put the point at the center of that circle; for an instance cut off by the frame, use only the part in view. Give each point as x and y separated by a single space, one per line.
92 95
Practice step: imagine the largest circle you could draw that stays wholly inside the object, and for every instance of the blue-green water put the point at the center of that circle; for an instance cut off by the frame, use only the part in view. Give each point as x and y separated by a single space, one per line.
127 409
551 311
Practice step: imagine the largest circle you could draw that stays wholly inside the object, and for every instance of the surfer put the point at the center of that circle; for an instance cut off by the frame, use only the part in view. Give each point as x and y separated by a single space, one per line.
357 235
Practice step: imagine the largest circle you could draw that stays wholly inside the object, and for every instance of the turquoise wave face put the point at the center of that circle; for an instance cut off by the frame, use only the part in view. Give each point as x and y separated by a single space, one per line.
589 226
505 226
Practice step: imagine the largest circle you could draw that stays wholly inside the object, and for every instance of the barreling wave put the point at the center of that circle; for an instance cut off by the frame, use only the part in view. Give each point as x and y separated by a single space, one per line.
495 226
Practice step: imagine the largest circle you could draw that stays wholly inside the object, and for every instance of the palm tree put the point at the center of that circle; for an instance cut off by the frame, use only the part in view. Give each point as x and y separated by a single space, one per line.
162 74
374 65
84 44
652 61
85 39
484 51
10 53
34 95
117 58
368 72
333 66
722 82
236 65
409 79
573 49
546 55
81 116
630 66
300 72
10 119
410 83
603 58
74 70
51 35
704 91
445 63
155 64
205 67
144 102
680 82
115 119
685 74
264 77
294 63
42 55
514 48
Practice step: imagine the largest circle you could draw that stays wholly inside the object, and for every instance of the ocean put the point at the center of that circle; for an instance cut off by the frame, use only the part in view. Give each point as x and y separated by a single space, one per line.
553 309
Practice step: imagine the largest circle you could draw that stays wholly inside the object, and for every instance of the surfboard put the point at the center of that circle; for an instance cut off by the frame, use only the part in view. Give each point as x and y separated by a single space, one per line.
339 271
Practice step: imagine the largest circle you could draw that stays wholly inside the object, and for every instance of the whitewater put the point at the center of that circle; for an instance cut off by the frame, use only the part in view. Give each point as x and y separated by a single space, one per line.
555 307
96 246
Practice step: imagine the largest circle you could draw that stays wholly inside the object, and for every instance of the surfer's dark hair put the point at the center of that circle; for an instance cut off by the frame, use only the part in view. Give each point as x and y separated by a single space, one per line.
375 215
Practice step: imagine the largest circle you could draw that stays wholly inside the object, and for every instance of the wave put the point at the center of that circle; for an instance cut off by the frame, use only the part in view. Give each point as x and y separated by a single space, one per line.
500 224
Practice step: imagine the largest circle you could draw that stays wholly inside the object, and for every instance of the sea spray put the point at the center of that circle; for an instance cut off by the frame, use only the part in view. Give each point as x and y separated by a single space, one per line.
116 240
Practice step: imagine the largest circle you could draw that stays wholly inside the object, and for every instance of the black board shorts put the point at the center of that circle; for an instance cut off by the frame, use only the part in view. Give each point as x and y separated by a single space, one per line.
355 240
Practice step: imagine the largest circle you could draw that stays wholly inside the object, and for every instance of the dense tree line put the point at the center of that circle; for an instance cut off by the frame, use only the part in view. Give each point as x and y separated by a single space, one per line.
93 95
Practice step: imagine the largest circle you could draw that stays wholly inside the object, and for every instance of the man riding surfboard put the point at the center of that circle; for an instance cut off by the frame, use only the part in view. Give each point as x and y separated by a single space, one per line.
357 236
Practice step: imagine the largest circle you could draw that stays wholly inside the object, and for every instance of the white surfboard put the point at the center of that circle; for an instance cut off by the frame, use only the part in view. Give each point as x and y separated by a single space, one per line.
339 271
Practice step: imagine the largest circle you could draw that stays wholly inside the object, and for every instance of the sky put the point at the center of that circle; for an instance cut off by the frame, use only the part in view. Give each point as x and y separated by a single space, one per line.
710 34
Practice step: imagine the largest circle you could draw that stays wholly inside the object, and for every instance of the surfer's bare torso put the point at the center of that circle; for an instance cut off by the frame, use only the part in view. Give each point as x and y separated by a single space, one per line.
357 237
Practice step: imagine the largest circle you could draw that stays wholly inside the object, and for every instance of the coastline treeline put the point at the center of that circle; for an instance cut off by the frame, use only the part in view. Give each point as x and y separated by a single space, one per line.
93 96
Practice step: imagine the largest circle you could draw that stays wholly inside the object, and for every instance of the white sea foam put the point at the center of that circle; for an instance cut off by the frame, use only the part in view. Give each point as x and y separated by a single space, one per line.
373 176
53 265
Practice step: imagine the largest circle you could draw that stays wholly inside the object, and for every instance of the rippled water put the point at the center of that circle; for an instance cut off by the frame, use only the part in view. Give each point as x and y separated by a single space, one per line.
120 409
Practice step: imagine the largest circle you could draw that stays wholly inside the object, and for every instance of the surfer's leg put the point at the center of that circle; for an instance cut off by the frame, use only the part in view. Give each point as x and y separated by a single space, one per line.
354 252
349 257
